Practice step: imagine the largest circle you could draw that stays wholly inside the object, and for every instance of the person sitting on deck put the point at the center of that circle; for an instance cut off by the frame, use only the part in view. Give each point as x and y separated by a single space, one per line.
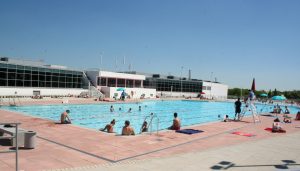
287 119
64 117
176 123
276 126
144 127
275 110
226 118
109 127
127 129
298 116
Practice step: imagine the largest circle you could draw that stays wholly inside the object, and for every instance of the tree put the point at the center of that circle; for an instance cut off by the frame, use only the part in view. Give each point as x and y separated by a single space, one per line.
275 93
270 93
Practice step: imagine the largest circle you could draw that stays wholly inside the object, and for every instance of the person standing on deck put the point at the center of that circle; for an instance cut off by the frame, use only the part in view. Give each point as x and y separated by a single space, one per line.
238 105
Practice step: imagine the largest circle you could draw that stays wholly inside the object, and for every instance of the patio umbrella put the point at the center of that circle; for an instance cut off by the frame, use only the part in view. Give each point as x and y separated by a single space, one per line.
253 85
120 89
263 95
280 98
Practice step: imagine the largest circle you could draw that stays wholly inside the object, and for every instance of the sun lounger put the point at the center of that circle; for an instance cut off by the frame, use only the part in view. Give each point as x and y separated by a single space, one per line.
12 131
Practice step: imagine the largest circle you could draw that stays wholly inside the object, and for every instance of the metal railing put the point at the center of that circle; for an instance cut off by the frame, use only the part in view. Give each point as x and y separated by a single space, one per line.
150 125
15 150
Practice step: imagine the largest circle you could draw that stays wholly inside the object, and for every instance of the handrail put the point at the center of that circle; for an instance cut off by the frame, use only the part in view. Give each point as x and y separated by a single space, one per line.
157 124
16 144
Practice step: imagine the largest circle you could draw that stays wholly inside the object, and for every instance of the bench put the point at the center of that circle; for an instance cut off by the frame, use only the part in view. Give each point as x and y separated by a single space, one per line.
12 131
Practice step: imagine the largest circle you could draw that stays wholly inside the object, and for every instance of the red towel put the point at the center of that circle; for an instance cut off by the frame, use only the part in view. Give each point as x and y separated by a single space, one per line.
268 129
243 134
271 130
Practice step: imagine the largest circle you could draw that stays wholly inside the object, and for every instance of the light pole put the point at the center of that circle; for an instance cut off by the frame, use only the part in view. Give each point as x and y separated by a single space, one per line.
181 81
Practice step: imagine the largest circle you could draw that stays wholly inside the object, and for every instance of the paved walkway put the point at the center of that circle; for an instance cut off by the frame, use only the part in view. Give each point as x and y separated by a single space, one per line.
277 153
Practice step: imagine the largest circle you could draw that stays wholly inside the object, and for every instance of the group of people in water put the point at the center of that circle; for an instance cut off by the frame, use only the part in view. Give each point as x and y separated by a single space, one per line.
120 109
277 109
127 129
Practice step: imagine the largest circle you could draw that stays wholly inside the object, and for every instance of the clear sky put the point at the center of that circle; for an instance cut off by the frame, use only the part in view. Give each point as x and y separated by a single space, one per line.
233 41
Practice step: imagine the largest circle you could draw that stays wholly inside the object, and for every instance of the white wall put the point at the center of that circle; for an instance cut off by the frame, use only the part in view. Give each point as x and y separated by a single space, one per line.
137 92
218 91
176 94
4 91
121 75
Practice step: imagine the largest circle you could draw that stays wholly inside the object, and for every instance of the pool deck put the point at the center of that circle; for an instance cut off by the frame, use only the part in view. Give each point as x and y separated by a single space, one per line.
68 146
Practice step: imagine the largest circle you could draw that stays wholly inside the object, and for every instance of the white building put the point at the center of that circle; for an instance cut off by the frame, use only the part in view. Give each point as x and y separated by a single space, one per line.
214 90
112 84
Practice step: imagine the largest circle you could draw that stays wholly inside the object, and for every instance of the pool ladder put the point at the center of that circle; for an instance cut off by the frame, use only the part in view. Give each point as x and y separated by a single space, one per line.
150 125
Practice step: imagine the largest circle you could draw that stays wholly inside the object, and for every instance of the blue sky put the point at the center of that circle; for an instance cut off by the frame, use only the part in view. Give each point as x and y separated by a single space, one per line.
234 40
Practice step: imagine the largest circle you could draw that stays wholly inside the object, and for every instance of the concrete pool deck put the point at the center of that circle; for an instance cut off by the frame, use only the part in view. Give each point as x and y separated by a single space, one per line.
69 146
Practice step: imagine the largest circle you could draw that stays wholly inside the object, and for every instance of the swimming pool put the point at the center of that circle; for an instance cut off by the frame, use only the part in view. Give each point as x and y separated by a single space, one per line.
96 116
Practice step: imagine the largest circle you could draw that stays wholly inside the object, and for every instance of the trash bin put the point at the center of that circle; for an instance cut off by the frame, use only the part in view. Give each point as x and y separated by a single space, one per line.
30 137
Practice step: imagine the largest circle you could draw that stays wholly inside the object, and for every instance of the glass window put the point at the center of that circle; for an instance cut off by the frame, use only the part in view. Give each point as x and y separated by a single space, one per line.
11 75
19 83
3 82
62 79
35 83
121 82
48 78
69 85
3 75
54 78
35 72
20 76
69 79
11 82
12 70
111 82
48 84
62 85
20 67
54 84
28 68
11 66
102 81
129 83
42 84
27 83
3 69
137 83
35 77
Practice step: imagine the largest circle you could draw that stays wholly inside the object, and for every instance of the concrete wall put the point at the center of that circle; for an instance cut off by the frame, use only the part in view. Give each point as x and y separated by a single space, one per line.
5 91
121 75
175 94
218 91
137 92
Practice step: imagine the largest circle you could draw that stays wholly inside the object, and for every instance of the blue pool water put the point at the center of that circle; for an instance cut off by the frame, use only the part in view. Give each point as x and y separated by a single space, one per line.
96 116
